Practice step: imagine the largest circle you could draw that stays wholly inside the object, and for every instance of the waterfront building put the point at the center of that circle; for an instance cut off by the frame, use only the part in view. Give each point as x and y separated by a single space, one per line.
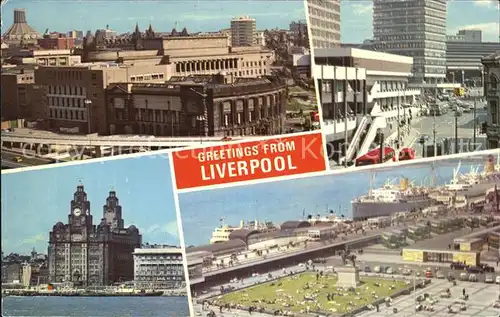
491 65
85 254
219 105
463 57
368 88
243 31
158 267
324 23
417 29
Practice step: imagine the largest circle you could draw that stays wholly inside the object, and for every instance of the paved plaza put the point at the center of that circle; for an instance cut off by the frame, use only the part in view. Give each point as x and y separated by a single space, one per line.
480 304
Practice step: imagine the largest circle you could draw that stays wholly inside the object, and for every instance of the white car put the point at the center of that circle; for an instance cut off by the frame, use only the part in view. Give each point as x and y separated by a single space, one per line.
497 279
389 270
489 278
376 269
439 274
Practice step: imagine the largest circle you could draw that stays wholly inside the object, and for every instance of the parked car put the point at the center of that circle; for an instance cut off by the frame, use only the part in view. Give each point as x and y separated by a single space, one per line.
376 269
489 278
367 269
439 274
464 276
475 269
389 270
497 279
428 274
486 268
406 271
472 278
457 266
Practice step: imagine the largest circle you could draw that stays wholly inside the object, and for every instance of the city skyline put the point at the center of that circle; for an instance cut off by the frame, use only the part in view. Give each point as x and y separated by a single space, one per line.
294 198
143 185
195 16
357 19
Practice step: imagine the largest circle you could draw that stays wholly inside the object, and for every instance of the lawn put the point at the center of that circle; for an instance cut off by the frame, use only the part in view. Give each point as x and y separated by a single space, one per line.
303 290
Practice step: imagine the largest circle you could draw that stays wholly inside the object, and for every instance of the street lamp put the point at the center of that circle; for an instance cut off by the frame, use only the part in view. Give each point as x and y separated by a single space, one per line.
456 130
88 105
201 122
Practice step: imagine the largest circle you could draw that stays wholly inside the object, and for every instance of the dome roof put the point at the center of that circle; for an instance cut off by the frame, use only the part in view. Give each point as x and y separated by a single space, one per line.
20 29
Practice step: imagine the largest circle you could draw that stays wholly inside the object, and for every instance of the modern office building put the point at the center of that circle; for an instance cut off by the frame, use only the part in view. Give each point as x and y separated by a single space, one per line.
463 57
243 31
158 267
414 28
84 254
324 22
363 92
492 92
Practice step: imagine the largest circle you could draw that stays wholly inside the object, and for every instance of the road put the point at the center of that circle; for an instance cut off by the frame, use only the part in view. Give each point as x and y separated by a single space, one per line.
9 162
445 128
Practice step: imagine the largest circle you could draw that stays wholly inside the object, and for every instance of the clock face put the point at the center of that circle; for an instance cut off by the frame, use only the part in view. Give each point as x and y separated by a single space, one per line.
77 211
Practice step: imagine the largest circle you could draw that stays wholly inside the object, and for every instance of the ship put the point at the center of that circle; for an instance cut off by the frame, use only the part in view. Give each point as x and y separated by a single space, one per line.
474 183
222 233
391 199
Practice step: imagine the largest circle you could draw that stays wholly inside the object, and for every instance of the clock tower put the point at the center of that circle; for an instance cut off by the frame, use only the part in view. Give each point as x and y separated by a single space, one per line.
112 212
79 216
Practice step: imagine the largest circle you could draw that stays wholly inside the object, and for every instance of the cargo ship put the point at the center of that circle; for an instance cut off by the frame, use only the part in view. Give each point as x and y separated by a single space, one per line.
391 199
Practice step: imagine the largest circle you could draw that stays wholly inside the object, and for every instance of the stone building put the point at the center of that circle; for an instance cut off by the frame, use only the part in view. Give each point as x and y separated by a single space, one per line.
84 254
492 92
199 106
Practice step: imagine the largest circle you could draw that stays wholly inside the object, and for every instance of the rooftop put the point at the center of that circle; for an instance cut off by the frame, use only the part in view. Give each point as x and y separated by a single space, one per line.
360 53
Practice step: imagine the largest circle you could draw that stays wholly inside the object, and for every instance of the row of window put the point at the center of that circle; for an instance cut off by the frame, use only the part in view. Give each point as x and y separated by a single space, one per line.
330 26
67 114
66 90
61 61
147 77
66 102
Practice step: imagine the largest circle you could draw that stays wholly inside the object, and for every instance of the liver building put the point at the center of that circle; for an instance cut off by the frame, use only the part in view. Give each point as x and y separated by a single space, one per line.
84 254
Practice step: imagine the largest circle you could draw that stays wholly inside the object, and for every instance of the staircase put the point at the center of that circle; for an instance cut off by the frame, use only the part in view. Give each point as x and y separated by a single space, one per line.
356 139
377 123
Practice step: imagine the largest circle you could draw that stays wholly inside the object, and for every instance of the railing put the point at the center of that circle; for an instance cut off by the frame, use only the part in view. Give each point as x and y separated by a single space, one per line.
378 123
353 145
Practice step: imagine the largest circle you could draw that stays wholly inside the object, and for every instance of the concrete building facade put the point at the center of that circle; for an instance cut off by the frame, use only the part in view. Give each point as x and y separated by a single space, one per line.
324 23
75 95
414 28
84 254
199 106
492 93
243 31
158 268
47 57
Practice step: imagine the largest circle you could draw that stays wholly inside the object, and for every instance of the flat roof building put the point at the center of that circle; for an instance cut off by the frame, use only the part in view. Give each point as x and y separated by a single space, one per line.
158 268
413 28
243 31
324 22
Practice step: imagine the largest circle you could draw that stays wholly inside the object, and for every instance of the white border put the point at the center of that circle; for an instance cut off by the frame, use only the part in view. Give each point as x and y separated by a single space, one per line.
316 88
180 233
360 169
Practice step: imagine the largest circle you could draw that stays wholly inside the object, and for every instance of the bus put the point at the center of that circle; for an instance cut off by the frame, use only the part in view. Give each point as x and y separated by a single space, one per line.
407 154
314 116
373 157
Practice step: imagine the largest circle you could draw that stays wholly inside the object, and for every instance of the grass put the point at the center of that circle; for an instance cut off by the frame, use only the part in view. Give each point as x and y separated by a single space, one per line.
289 294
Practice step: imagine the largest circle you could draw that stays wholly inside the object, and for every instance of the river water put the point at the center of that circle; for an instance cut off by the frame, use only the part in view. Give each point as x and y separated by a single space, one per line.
95 306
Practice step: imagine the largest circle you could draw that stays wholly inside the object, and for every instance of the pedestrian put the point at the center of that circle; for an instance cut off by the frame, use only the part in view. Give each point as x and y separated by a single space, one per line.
463 292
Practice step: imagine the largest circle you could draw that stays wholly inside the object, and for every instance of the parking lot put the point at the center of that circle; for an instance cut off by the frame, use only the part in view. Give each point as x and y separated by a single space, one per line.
482 297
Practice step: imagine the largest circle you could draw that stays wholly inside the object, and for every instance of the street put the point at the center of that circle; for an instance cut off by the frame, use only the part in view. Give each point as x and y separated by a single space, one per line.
445 128
8 160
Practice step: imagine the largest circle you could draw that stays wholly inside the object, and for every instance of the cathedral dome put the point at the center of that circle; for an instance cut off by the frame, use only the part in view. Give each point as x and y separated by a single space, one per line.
20 29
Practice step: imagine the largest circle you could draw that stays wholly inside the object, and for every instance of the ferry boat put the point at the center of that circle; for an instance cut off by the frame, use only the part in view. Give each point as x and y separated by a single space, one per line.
390 199
221 233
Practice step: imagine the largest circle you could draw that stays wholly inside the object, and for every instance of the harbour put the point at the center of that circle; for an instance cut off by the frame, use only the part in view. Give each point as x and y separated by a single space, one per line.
95 306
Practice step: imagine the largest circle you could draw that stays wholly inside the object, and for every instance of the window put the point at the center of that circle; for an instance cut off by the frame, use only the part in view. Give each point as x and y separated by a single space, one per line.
493 82
494 111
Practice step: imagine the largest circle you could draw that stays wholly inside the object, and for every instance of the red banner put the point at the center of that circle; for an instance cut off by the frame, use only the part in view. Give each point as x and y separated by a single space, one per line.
244 161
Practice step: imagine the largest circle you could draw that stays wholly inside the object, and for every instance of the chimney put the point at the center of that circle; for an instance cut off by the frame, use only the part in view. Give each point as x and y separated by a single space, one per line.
19 16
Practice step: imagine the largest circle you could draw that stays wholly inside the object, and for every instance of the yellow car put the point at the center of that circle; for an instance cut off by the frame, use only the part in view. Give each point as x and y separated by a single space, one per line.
17 159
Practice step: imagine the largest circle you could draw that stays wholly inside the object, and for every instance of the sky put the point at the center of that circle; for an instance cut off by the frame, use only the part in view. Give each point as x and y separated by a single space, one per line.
34 201
292 199
356 19
195 15
203 15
